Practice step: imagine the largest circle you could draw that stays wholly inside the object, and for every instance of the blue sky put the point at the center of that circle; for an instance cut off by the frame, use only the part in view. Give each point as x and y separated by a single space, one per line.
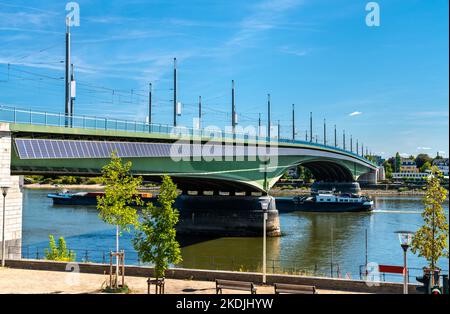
317 54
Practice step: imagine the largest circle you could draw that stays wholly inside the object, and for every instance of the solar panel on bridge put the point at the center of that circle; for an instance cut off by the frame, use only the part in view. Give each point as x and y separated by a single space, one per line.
56 149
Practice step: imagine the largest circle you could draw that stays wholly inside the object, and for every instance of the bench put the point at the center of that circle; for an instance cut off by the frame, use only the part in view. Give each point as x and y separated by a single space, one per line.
294 289
234 285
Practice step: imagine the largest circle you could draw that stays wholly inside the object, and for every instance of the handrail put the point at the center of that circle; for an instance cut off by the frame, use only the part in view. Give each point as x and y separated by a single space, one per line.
27 116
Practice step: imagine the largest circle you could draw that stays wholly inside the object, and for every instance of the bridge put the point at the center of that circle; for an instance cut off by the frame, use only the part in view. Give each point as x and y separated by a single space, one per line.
34 142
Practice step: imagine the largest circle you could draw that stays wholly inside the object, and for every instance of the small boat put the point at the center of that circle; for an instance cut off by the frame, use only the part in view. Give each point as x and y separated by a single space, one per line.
85 198
326 201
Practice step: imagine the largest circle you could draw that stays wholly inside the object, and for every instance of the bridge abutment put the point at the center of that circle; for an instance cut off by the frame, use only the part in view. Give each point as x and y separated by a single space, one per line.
225 215
13 200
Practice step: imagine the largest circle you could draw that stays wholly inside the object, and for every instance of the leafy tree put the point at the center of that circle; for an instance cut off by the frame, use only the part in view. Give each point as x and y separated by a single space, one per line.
155 241
426 166
421 159
398 162
59 252
121 192
431 240
388 169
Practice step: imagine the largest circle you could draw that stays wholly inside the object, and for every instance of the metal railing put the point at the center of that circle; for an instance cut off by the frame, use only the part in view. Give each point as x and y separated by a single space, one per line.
27 116
228 263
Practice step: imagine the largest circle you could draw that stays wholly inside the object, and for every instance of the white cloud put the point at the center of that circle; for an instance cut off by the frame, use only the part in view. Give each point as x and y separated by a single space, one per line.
355 113
404 155
423 148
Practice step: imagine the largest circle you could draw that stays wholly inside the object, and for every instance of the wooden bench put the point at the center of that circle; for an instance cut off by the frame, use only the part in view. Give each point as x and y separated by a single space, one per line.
234 285
294 289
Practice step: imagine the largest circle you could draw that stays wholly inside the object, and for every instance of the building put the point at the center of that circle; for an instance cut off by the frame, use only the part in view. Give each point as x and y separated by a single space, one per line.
442 165
410 175
408 166
378 160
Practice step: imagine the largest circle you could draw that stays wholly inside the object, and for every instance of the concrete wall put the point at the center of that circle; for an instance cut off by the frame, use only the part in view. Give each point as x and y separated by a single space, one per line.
13 220
211 275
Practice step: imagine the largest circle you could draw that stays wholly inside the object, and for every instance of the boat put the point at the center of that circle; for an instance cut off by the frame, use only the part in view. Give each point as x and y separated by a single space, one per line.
325 201
85 198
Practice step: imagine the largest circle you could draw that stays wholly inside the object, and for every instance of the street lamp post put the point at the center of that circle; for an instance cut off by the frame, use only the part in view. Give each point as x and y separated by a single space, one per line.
4 192
405 238
265 208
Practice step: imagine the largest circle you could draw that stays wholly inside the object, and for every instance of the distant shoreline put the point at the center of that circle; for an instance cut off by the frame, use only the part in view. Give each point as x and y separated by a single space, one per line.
274 191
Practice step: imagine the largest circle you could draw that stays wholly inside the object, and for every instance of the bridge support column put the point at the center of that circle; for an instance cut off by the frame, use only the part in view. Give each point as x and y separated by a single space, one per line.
225 215
13 201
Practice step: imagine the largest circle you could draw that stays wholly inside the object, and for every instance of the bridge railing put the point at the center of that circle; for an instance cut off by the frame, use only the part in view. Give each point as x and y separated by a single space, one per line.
27 116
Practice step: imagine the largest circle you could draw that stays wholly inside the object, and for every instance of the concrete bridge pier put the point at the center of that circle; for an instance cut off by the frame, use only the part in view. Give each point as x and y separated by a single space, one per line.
13 200
226 215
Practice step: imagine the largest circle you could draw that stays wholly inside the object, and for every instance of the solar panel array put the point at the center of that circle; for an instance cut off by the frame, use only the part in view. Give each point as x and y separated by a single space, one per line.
58 149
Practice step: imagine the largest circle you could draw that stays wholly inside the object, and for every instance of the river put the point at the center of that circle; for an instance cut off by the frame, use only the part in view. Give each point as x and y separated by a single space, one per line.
310 244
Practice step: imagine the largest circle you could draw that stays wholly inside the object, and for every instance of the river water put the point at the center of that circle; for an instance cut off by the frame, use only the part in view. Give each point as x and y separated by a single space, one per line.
312 243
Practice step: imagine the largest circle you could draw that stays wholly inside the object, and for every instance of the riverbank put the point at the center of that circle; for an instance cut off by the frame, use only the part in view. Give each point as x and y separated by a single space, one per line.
275 191
370 192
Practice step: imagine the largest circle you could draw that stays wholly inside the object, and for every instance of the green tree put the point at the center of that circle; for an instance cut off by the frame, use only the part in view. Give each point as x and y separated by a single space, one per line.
426 166
59 252
387 169
397 162
431 240
121 193
421 159
156 241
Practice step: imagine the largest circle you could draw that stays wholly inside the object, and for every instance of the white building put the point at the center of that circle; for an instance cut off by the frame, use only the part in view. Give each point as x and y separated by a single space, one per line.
410 175
442 165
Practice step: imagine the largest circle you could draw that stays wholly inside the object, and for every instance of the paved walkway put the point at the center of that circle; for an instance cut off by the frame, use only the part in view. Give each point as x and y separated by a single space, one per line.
42 282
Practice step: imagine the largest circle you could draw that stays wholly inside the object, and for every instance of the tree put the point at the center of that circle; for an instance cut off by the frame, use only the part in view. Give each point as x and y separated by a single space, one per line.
59 252
388 169
121 192
421 159
431 240
426 166
397 162
156 241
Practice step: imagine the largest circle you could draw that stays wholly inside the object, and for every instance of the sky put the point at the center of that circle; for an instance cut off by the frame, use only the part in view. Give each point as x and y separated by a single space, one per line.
386 85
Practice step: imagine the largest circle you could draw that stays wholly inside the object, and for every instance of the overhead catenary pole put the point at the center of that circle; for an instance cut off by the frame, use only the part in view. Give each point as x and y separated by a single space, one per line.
199 112
306 135
343 139
351 143
357 147
335 136
279 128
233 108
150 103
310 126
324 131
293 122
174 92
269 123
259 124
72 96
67 75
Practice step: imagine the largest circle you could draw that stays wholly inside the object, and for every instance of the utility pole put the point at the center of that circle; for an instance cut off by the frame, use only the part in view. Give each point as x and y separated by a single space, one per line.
174 92
199 112
324 132
351 143
268 116
279 128
72 94
357 147
293 122
233 108
362 149
150 104
259 124
335 136
67 76
306 135
310 127
343 139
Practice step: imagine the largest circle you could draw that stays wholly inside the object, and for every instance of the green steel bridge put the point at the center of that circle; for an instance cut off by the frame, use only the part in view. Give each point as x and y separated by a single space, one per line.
197 159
